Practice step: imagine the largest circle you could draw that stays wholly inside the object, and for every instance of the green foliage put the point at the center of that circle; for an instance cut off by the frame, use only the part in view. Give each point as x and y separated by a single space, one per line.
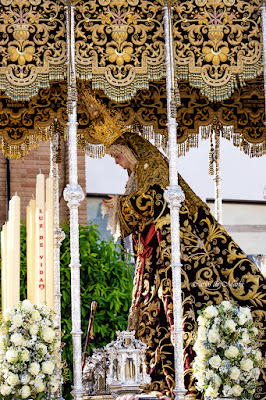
104 277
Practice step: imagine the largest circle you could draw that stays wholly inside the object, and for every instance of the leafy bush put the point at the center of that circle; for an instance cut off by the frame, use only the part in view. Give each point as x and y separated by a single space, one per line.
104 277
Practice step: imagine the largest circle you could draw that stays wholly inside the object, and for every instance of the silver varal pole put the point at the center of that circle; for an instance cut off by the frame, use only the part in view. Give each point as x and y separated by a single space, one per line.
73 194
174 196
59 236
217 178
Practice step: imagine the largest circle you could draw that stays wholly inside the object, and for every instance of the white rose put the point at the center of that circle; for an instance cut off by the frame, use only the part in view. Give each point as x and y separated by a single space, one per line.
17 339
26 305
211 311
57 345
246 364
6 314
25 378
258 355
3 331
255 330
11 355
198 345
5 390
54 386
209 373
227 390
201 320
42 348
34 329
217 381
48 335
202 352
226 305
12 379
48 367
256 373
235 373
246 311
35 315
237 390
25 355
242 319
215 361
213 336
211 392
17 320
245 338
34 368
199 364
200 376
231 325
40 386
231 352
25 392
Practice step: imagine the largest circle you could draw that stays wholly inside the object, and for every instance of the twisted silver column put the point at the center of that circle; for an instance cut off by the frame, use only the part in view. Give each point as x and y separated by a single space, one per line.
174 196
73 194
59 236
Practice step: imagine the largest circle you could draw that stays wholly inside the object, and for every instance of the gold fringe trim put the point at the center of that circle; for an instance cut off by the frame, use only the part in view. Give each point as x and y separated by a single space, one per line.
22 149
126 91
19 92
224 91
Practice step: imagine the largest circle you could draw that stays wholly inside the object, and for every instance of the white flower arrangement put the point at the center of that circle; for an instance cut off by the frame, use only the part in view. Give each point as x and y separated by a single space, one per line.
30 348
227 360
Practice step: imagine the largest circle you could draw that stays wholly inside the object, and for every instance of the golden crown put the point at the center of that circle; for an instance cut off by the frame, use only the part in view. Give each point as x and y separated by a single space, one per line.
106 125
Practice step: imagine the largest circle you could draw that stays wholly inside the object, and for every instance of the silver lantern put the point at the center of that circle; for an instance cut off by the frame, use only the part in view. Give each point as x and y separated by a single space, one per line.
127 369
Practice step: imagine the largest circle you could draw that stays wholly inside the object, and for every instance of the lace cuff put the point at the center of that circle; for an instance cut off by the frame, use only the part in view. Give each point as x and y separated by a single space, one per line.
113 223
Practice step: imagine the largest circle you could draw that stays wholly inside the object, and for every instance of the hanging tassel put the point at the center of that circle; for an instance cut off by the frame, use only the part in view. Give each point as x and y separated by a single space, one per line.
211 157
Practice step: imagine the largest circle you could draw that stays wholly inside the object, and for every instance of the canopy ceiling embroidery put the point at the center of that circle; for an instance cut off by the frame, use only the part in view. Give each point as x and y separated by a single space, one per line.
120 45
218 44
32 46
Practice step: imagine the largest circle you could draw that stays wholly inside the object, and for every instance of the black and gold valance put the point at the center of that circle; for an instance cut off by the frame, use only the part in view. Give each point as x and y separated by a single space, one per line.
120 45
32 46
241 117
218 44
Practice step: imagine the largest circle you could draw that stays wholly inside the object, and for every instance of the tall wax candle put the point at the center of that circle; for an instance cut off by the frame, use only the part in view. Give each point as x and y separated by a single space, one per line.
49 224
4 267
14 265
31 253
40 238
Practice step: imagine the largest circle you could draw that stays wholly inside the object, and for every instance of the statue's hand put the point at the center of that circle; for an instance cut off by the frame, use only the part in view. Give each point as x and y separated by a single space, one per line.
109 203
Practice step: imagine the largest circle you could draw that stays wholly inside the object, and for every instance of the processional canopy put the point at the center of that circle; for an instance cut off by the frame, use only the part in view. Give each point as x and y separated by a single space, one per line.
120 57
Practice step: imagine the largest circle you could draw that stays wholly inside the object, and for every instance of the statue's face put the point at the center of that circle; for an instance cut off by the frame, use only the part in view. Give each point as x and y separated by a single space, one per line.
122 161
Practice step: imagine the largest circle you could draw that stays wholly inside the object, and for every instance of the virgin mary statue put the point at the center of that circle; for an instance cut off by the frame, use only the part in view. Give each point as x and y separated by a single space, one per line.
214 268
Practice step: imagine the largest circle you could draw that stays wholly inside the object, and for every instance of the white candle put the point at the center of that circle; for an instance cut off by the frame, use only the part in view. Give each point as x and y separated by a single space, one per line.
14 250
31 253
40 239
4 266
49 224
